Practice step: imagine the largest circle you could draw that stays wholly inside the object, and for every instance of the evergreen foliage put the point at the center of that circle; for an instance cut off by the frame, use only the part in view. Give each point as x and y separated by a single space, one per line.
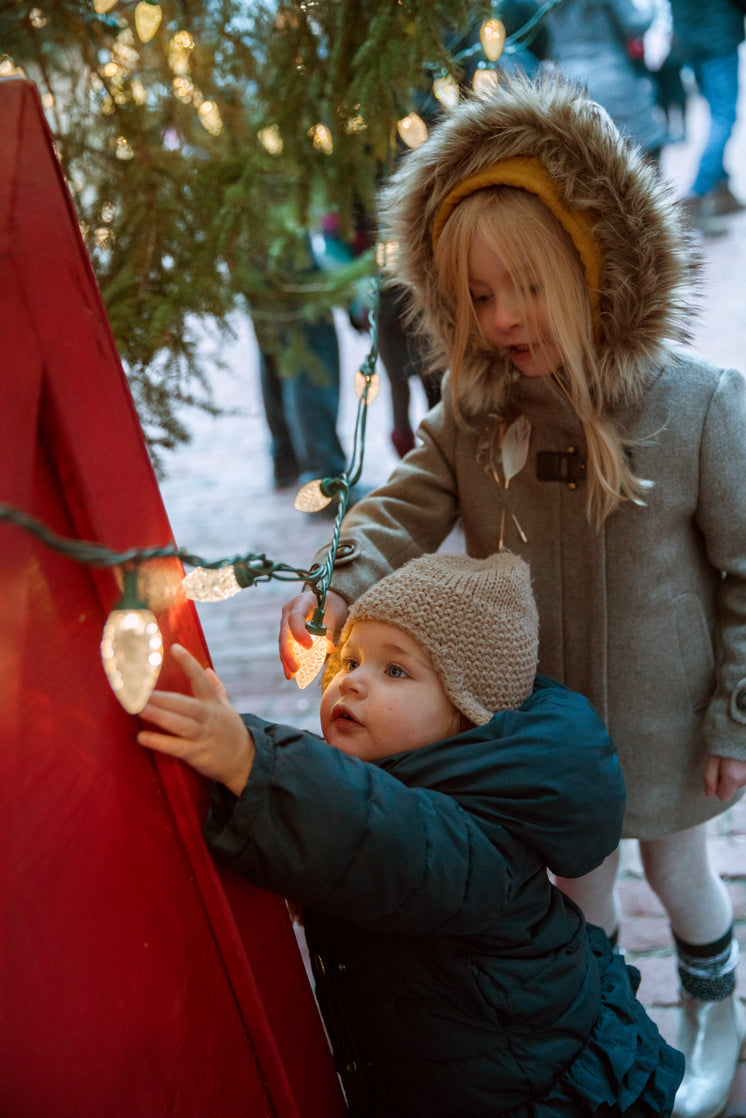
186 210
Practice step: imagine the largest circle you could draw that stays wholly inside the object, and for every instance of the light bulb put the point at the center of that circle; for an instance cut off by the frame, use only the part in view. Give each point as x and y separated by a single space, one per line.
132 654
322 138
311 498
446 90
373 382
204 585
484 80
311 660
210 118
271 139
102 6
492 38
412 130
147 20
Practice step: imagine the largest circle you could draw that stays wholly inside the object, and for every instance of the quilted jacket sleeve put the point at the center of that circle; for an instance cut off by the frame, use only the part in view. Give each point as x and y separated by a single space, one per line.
352 841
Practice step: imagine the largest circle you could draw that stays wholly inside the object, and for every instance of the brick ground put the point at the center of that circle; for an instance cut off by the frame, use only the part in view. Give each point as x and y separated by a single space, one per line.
219 497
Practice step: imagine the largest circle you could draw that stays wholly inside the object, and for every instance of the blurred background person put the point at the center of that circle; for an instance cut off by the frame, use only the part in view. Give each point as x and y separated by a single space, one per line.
706 38
599 44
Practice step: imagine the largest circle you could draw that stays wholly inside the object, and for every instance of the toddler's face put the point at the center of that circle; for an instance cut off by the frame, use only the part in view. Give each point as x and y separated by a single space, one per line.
387 697
507 319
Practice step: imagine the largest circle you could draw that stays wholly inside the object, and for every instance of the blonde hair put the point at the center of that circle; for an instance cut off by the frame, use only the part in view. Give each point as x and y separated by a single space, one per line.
535 249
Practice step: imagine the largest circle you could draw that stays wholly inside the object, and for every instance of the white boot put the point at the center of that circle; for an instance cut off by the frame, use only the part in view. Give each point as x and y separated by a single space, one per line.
710 1036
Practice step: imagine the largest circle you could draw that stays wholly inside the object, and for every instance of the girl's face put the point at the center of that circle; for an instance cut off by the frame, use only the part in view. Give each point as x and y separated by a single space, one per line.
509 320
387 697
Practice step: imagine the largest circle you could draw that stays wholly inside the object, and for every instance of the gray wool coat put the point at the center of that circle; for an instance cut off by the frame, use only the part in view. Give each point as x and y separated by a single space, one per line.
646 616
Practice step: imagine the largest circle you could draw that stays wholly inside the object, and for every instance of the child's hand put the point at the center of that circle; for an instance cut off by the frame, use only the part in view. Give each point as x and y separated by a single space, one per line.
724 776
205 731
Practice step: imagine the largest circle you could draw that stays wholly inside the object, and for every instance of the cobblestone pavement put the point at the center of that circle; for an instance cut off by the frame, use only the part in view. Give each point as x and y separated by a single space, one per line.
220 499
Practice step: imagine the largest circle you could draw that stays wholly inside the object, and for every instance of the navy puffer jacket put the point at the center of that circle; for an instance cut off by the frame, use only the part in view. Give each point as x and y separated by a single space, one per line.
454 979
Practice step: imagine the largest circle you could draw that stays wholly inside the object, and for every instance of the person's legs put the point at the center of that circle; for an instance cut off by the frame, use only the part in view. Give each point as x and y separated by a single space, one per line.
679 870
398 356
717 79
281 449
311 406
595 894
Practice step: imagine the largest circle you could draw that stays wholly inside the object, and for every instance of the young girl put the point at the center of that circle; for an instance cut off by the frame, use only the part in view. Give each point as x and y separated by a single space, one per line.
455 980
546 262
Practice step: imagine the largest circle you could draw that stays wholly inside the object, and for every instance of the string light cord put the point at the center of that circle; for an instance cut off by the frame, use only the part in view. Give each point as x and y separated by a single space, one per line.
132 645
253 567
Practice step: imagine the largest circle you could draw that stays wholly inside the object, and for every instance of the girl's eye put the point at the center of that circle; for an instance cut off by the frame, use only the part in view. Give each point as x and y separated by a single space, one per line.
396 671
478 298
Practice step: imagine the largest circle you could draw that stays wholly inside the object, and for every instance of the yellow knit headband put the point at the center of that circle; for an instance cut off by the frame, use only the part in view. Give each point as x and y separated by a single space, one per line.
528 173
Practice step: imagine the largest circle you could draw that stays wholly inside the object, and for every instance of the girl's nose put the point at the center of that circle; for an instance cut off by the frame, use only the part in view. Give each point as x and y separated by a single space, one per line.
507 312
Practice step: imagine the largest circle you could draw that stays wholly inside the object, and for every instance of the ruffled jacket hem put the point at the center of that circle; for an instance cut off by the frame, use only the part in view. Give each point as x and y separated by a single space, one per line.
625 1061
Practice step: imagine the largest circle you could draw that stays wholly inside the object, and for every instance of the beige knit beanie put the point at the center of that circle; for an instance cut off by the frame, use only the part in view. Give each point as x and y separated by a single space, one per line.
476 619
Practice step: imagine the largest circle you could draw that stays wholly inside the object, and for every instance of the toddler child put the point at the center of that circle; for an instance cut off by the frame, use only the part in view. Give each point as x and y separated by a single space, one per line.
455 980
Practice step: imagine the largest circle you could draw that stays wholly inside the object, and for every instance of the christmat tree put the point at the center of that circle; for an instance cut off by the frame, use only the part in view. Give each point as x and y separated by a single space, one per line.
202 140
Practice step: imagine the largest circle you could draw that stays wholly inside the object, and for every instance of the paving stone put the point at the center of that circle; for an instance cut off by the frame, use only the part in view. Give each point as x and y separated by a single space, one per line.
641 934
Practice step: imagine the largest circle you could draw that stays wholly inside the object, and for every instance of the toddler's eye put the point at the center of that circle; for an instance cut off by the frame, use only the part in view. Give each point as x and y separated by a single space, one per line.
396 671
349 664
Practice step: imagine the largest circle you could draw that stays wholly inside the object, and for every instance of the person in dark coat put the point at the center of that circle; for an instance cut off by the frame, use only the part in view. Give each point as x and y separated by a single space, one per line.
455 980
707 38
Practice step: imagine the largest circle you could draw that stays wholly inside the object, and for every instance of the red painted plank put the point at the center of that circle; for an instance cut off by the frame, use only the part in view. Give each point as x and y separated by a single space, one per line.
136 978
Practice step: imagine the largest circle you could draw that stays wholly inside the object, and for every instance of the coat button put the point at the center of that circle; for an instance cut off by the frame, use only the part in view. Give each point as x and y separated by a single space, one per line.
341 967
351 1067
319 964
738 702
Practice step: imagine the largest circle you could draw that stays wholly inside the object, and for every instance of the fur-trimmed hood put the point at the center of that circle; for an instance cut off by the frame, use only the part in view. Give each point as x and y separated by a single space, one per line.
648 260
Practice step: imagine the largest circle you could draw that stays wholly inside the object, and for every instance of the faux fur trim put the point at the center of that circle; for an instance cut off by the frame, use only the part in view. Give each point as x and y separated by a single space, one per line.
649 263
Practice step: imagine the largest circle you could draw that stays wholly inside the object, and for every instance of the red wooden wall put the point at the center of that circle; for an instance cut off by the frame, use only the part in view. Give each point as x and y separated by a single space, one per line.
137 978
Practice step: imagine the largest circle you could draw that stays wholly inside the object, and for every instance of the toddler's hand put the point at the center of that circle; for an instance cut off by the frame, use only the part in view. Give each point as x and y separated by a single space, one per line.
203 729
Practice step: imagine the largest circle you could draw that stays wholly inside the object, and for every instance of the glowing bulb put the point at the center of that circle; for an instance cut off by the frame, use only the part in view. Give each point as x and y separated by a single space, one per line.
446 90
311 660
147 20
311 498
102 6
183 88
132 648
484 80
204 585
322 139
132 654
492 38
271 139
179 58
412 130
122 149
373 382
210 118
